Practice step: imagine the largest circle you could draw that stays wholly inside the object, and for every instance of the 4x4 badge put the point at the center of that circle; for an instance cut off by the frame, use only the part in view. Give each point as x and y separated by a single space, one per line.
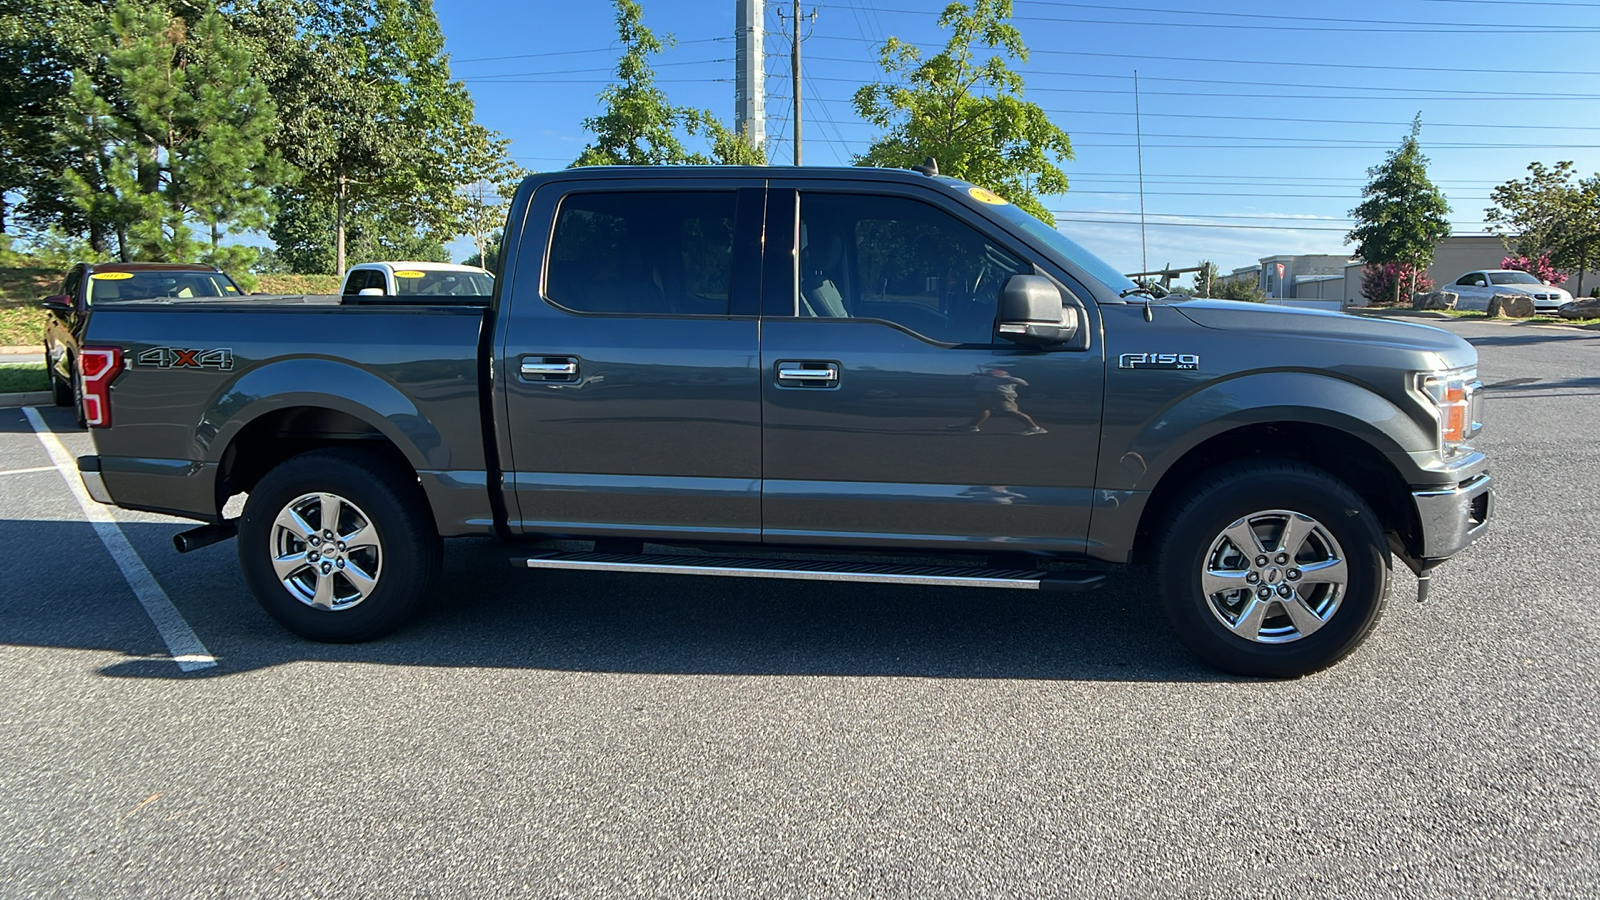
1184 361
181 358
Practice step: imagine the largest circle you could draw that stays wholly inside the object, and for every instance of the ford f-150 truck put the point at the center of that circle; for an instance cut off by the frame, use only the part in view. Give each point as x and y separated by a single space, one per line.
833 374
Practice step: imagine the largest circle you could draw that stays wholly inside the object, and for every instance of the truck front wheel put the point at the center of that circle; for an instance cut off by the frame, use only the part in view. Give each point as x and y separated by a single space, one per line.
338 545
1273 569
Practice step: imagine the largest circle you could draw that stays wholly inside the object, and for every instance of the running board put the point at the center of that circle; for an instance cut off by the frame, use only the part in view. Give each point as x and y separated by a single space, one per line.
872 573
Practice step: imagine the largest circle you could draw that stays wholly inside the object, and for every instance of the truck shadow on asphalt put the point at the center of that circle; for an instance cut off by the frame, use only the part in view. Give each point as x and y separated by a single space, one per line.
486 614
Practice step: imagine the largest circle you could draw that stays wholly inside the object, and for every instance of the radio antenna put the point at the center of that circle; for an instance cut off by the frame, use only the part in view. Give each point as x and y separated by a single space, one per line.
1138 137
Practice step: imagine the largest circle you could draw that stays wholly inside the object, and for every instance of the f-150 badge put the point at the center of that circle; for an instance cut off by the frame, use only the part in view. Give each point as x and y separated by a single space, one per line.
181 358
1184 361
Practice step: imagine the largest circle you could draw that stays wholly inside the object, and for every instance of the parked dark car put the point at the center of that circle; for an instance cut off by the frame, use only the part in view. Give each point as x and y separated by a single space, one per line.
88 285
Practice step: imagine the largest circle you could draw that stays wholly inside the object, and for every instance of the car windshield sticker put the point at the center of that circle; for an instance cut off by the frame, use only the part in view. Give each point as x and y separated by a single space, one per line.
408 274
230 289
983 195
111 276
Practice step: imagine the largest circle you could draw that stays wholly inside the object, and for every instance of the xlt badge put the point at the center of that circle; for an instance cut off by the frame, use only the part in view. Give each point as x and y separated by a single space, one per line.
1184 361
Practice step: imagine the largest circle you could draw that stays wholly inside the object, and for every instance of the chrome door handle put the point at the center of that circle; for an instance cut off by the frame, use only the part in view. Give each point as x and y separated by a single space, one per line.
550 368
809 374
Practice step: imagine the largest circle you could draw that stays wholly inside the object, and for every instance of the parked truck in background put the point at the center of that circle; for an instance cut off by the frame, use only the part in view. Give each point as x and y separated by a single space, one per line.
834 374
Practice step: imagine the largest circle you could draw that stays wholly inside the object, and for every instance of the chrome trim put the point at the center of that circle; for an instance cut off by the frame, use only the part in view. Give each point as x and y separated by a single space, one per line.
795 373
1445 516
533 368
934 576
96 486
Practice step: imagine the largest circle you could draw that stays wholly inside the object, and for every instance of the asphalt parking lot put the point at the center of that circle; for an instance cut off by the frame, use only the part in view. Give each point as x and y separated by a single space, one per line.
564 734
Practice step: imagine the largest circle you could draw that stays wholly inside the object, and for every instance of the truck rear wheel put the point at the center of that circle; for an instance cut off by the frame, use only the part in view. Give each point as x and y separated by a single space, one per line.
62 392
338 545
1273 569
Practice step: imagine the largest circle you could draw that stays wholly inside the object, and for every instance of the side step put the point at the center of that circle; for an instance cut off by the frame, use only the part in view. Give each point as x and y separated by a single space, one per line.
877 573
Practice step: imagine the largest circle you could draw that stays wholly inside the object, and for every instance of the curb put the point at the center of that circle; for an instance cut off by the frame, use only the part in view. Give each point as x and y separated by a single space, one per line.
22 350
27 398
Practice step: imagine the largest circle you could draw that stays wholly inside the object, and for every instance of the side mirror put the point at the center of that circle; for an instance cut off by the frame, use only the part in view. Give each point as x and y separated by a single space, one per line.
58 303
370 292
1031 312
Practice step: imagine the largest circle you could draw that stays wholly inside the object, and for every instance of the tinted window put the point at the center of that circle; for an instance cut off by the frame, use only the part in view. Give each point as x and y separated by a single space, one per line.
641 253
357 280
906 262
112 287
1513 278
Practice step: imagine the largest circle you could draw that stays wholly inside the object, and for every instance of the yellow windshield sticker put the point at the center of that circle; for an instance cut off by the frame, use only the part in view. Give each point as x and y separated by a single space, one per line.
111 276
230 289
983 195
408 274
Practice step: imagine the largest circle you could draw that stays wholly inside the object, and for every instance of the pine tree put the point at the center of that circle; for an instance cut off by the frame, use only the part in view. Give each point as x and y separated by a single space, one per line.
1401 219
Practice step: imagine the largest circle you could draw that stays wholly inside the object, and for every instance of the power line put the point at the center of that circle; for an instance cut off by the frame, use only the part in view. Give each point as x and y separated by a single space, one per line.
663 65
611 49
1430 29
1497 72
1277 17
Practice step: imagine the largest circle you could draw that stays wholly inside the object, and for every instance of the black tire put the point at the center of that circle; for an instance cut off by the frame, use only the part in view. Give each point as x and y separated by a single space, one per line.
1221 499
64 393
389 499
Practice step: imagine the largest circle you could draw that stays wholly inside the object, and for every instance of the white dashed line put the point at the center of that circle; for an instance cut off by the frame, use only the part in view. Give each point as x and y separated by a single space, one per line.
182 643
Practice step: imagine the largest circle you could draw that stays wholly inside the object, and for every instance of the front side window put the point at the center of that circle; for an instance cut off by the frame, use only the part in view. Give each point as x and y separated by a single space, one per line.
902 261
643 253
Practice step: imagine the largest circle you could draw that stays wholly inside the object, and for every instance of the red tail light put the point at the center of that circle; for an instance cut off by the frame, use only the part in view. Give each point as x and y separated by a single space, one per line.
97 368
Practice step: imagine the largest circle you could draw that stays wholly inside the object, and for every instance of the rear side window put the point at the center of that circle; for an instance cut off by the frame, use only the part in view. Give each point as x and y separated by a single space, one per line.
643 253
114 287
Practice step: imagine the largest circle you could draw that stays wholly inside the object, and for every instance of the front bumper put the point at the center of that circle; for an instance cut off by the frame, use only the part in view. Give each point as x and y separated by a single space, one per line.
89 470
1452 519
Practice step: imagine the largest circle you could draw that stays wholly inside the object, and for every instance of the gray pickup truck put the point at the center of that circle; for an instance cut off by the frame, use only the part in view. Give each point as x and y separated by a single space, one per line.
833 374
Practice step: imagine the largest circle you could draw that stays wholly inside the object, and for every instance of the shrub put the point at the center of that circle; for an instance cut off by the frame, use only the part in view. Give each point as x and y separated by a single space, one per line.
1378 282
1539 267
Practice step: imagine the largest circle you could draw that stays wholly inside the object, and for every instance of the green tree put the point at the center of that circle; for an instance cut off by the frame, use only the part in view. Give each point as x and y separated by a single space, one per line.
1549 213
489 257
303 230
370 118
964 108
172 137
42 42
1401 218
639 126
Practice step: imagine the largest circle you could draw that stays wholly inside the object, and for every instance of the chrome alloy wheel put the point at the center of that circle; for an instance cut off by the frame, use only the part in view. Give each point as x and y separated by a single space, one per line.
326 552
1274 576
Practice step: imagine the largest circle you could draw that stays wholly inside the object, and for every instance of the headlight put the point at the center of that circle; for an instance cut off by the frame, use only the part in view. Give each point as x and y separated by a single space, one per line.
1458 395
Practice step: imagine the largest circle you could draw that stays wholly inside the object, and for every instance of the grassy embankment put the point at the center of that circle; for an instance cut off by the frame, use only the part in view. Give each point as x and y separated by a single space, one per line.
24 281
15 379
1536 320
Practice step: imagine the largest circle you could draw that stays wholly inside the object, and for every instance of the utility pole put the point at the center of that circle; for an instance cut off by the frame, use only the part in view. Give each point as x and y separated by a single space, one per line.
794 69
749 83
795 61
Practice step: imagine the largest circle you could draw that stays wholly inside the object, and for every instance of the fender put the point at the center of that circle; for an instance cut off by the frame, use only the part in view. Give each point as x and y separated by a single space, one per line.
1135 459
349 389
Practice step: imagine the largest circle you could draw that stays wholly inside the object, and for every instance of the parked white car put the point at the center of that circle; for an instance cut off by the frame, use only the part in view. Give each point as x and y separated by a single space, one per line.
416 279
1475 289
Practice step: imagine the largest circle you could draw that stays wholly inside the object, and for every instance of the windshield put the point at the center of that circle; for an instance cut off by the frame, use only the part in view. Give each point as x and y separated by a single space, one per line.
1512 278
1067 247
120 287
443 284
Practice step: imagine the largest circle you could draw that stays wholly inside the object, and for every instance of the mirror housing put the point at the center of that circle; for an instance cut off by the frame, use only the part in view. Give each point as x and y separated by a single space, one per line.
370 292
58 303
1032 312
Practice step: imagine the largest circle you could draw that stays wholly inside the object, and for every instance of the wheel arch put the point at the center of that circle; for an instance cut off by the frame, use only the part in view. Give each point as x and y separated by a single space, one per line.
1364 468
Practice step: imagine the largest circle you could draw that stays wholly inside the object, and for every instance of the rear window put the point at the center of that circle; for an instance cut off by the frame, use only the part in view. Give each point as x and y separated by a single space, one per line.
120 287
413 283
643 253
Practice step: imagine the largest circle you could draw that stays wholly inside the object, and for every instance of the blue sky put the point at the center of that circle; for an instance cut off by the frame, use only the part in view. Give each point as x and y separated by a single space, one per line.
1259 119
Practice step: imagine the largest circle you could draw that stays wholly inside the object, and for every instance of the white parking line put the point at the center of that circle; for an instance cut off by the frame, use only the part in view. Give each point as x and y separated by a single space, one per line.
28 471
181 640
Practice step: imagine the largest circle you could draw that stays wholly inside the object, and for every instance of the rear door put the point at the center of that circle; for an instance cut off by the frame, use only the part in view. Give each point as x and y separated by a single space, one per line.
632 389
893 415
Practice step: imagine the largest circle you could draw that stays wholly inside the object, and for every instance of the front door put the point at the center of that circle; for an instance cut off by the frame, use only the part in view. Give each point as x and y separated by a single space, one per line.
893 416
630 364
